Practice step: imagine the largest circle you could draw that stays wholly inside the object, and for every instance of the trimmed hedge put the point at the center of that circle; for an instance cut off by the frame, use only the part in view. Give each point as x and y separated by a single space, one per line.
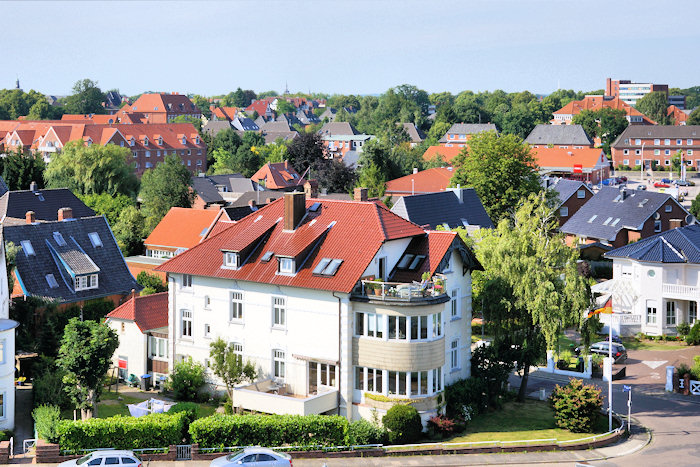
362 432
118 432
269 430
46 419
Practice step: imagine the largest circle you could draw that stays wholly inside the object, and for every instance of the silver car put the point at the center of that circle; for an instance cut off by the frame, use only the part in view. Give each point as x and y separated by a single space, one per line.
106 457
254 457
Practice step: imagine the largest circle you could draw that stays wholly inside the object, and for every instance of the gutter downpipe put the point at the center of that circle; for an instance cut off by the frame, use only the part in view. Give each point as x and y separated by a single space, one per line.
339 349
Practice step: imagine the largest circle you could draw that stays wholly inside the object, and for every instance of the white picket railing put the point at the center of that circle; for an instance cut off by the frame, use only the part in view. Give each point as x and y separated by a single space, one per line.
681 290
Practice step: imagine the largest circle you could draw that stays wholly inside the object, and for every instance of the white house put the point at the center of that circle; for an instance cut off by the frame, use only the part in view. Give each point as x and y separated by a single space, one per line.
656 283
7 351
290 286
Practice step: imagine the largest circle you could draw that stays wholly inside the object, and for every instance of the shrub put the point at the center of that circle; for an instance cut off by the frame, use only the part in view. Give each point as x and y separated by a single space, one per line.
466 397
670 338
695 370
152 282
46 418
48 389
564 360
693 337
683 329
576 406
150 431
191 411
362 432
441 426
403 423
186 379
682 369
269 430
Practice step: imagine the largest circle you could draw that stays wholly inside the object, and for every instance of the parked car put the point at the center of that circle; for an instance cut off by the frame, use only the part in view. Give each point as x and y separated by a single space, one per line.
618 351
254 457
622 179
641 187
666 180
661 185
683 183
107 457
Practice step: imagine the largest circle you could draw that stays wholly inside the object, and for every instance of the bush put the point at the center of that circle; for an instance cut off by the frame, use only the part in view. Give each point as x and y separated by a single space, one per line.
362 432
152 282
219 430
682 369
576 406
695 370
683 329
46 418
118 432
441 426
669 338
693 337
186 379
564 360
191 411
403 424
466 397
48 389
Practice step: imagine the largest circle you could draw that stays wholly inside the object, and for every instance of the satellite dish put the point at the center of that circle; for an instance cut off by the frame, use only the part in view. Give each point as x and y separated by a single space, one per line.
657 216
690 219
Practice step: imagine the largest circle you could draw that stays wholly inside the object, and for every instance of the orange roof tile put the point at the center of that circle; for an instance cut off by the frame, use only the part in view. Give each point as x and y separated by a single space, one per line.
148 311
679 117
276 176
587 158
447 153
425 181
594 103
182 228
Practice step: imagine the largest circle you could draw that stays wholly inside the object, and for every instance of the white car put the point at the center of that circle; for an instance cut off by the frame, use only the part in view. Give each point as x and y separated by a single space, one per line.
253 457
107 457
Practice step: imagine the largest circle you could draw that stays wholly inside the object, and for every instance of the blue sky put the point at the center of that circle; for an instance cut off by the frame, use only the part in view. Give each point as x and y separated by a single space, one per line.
337 46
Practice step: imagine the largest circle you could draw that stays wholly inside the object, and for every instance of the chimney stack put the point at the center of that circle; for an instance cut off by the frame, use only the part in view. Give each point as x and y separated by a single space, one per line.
30 217
674 223
65 213
294 209
360 194
33 186
311 189
415 170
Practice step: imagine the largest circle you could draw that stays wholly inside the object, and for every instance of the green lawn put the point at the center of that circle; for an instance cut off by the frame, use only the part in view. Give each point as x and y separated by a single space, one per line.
530 420
110 406
633 344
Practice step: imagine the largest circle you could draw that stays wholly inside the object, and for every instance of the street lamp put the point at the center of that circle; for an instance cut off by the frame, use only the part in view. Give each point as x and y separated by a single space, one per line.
641 170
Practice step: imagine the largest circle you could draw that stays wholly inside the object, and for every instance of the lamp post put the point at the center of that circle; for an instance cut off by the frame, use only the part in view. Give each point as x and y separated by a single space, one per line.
641 171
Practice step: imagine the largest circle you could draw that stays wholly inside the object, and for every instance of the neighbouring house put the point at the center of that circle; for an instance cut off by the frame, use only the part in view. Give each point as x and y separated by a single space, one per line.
655 284
278 176
656 145
69 261
571 196
41 205
343 142
559 136
142 326
292 288
459 134
216 191
615 217
178 231
328 115
446 153
679 116
587 164
161 107
425 181
415 135
242 123
272 137
213 127
248 203
566 114
261 107
7 350
223 113
307 117
452 208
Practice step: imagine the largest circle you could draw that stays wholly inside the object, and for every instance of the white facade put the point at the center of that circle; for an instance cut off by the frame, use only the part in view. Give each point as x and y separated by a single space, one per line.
308 340
7 353
131 352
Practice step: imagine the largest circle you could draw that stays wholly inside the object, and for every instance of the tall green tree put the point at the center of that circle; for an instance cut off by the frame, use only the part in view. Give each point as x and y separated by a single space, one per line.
229 366
694 117
15 103
87 98
19 170
163 187
86 355
606 124
533 285
110 206
130 230
654 106
501 169
306 151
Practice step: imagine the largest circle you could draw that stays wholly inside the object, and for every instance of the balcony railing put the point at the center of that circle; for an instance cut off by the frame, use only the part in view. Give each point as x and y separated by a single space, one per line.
400 291
270 397
683 291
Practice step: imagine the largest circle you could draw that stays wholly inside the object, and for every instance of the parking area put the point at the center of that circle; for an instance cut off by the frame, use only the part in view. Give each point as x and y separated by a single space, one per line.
647 368
634 178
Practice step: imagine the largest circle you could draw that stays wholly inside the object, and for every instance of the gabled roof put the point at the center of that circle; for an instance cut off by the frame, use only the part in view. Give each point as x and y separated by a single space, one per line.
413 132
425 181
278 176
162 103
78 256
347 230
277 126
213 127
44 202
337 128
594 103
181 228
567 188
613 214
680 116
468 129
444 207
148 312
206 186
681 245
567 158
272 136
446 152
656 131
571 135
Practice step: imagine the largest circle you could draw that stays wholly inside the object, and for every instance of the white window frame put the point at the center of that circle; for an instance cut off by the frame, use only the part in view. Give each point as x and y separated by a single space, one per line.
231 260
186 323
455 302
235 313
657 226
186 281
651 314
286 266
454 355
692 312
279 312
278 364
564 211
670 313
157 348
207 331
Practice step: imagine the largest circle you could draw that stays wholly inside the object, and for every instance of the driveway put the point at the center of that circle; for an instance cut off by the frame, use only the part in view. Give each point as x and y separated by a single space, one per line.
647 368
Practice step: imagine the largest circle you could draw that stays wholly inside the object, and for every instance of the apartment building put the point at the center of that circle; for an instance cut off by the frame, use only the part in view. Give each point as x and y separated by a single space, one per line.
630 92
657 145
459 133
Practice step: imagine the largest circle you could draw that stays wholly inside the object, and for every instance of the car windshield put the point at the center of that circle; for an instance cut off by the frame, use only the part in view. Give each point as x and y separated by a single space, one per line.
235 455
83 459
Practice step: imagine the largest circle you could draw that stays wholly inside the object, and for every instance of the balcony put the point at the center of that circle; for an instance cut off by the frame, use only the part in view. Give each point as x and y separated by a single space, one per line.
270 397
681 291
427 291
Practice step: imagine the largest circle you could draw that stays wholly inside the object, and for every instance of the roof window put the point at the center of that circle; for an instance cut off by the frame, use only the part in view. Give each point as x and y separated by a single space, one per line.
59 239
405 261
39 195
607 221
27 248
95 239
614 223
314 207
266 257
328 267
51 280
592 218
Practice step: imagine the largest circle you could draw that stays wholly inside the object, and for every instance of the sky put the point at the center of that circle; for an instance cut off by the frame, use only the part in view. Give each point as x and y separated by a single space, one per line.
347 47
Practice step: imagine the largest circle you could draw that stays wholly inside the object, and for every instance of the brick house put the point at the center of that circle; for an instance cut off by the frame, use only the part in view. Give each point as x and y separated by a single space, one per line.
459 133
161 107
585 164
657 144
572 195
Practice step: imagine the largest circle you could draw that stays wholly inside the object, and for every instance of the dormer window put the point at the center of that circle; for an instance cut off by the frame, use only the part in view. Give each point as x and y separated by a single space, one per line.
286 266
85 282
184 140
132 142
145 141
160 141
231 260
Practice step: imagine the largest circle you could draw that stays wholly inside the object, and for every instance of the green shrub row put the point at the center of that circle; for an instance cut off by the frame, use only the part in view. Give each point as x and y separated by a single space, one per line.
269 430
150 431
46 419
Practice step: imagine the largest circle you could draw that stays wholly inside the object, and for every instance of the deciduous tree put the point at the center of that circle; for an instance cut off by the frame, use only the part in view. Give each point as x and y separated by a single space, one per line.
654 106
130 230
163 187
19 170
110 206
87 98
229 366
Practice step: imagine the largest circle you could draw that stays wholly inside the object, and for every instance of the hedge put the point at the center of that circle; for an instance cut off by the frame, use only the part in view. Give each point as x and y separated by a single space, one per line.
219 431
118 432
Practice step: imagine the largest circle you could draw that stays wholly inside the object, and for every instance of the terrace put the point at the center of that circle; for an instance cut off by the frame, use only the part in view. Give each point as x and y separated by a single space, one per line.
269 396
432 290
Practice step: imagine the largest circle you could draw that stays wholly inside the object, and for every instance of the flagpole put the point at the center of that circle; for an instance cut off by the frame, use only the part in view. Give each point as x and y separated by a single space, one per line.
610 395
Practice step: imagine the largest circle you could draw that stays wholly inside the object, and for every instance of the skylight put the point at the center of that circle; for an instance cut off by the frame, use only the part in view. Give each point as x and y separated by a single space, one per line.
95 239
607 221
27 248
40 196
51 281
59 239
328 267
322 265
405 261
416 262
314 207
203 232
592 218
615 222
266 257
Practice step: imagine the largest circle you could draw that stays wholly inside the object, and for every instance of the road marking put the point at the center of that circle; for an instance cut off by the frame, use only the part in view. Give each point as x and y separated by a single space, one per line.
654 364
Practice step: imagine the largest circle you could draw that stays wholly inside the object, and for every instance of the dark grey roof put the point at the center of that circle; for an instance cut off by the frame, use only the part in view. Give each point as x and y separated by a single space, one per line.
351 158
567 188
244 124
468 129
259 197
78 256
45 204
681 245
272 136
215 126
307 117
276 126
206 186
3 187
612 213
291 119
413 132
236 213
656 131
444 207
572 135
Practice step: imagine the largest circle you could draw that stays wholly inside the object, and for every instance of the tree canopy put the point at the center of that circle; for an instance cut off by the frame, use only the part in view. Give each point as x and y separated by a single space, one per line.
606 124
110 206
87 98
229 366
19 170
163 187
654 106
92 169
501 169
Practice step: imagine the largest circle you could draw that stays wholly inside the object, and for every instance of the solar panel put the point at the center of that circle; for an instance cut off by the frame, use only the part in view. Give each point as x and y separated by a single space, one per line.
314 207
322 265
416 262
405 261
333 267
266 257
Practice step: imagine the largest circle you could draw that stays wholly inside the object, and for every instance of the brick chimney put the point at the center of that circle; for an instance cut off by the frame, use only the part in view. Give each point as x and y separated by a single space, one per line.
311 189
30 217
360 194
294 209
674 223
65 213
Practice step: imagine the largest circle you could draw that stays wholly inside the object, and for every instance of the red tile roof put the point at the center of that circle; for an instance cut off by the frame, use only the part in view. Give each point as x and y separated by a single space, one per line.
348 230
90 118
594 103
163 103
425 181
224 113
277 176
434 247
148 311
182 228
679 117
587 158
447 152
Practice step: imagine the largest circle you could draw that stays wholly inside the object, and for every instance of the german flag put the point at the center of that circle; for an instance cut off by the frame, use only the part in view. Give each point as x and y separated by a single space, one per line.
606 309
